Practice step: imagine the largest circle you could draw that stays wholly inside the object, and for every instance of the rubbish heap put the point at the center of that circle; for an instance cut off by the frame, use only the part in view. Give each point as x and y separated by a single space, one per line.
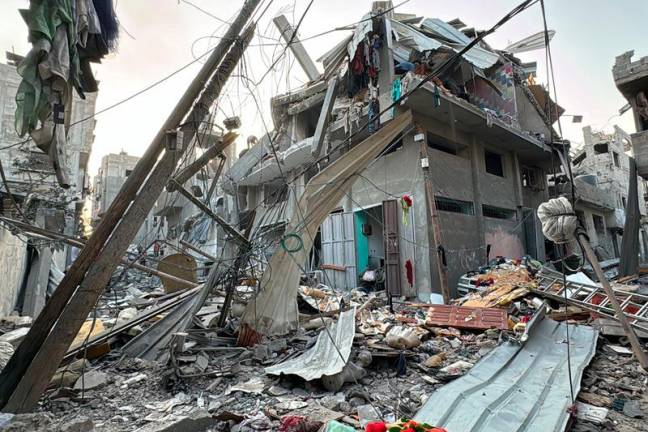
352 363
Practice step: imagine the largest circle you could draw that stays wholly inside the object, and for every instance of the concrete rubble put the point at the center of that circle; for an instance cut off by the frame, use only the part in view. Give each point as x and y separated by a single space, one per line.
397 361
375 263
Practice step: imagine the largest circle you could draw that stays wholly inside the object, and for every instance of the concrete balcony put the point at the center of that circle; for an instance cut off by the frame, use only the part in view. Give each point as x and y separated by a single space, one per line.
640 150
589 195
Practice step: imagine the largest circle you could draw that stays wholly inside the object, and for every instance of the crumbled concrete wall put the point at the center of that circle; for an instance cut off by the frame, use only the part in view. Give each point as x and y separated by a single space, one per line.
13 262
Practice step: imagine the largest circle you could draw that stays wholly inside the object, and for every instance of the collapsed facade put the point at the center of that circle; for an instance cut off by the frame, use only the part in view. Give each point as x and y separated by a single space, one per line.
33 184
601 178
436 184
489 145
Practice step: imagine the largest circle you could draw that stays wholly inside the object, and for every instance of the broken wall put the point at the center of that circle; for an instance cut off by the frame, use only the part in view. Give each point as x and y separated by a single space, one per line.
13 263
528 116
394 175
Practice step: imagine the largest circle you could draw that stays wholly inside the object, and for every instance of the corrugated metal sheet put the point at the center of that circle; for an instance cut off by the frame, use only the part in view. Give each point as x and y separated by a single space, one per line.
530 43
467 317
476 55
516 388
323 358
338 249
409 36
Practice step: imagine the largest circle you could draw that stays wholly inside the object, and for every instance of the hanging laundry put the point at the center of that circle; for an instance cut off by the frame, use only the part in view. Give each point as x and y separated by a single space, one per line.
109 24
374 111
436 96
396 92
376 44
51 65
405 84
409 272
357 63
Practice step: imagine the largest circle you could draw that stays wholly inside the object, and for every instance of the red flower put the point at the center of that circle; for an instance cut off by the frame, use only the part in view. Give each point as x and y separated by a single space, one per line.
376 427
407 200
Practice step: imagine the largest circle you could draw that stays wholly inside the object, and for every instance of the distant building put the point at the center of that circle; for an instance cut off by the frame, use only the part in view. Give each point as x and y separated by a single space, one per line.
601 179
114 170
32 181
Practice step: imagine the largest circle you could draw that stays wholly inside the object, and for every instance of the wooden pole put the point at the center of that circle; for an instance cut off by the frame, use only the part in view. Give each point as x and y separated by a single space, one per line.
237 236
637 349
214 183
189 171
80 244
20 361
43 355
198 251
434 228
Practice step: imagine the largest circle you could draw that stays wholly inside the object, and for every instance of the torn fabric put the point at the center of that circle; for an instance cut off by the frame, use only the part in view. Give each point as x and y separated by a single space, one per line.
323 358
274 309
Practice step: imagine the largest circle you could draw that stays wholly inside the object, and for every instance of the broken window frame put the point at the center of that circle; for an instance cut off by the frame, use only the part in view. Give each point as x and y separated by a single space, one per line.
495 212
599 223
452 205
490 158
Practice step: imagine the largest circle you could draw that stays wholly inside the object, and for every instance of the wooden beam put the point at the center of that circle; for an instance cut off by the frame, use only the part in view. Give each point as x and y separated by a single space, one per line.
41 328
198 251
434 228
296 47
72 241
237 236
189 171
43 355
324 117
217 174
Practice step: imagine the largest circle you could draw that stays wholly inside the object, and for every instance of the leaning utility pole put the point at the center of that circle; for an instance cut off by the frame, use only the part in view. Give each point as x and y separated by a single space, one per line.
28 372
434 228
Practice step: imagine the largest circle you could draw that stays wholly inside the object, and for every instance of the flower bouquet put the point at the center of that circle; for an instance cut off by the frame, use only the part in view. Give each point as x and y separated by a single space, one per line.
402 426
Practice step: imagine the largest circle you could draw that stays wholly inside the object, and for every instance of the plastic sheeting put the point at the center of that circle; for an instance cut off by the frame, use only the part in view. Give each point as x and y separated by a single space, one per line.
274 310
516 388
323 358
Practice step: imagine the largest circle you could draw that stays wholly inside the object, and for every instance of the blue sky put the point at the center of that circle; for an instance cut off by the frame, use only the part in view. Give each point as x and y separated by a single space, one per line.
163 33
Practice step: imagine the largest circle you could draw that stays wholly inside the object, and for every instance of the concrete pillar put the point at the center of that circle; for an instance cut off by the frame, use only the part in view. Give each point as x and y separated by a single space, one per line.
476 150
296 47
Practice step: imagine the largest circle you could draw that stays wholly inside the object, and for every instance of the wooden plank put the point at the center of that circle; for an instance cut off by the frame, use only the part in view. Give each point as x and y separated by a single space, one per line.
189 171
198 251
72 241
26 382
467 317
217 174
237 236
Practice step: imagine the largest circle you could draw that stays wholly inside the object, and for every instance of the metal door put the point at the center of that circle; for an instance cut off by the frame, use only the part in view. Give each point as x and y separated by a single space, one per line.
530 232
392 253
338 251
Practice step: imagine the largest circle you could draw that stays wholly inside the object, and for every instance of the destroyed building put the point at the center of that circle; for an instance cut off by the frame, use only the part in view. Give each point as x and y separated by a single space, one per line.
601 172
487 136
211 152
631 78
109 179
32 182
420 153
